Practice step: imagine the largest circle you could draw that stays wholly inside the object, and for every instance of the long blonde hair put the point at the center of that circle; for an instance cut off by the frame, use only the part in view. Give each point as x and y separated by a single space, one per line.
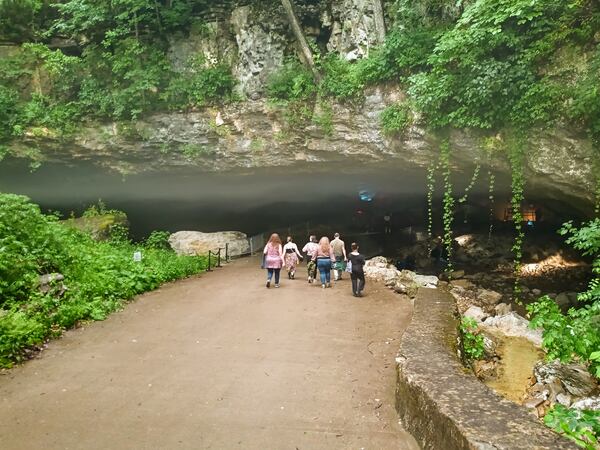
324 245
275 240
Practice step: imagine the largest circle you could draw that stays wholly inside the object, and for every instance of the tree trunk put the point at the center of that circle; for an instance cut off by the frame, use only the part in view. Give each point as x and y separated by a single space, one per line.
379 21
304 47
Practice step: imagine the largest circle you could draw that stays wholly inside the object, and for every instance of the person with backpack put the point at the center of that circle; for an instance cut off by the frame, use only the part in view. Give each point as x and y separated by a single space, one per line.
357 275
339 251
310 249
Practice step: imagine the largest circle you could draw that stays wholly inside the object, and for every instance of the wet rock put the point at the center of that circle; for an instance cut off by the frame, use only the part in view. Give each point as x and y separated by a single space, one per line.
475 312
199 243
512 324
485 370
575 378
589 403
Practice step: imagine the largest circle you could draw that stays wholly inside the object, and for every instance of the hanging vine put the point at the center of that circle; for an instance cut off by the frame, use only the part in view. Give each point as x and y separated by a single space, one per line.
516 159
469 188
491 198
448 202
430 192
596 172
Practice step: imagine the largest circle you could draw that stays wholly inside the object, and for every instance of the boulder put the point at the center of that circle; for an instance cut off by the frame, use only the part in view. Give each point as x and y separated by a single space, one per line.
198 243
378 269
512 324
501 309
426 281
52 282
589 403
475 312
489 297
575 378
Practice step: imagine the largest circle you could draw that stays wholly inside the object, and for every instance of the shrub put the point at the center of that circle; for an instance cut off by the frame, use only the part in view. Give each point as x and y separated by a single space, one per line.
100 276
396 118
472 341
293 81
574 334
158 240
200 84
581 426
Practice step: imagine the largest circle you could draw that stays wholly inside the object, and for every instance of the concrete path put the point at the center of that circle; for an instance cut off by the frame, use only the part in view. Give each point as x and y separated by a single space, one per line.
218 362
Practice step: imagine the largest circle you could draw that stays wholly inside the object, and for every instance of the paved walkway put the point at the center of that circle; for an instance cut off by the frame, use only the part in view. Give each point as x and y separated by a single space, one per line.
218 362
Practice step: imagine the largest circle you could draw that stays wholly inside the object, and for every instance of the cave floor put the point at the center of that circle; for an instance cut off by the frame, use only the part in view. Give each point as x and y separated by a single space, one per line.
220 362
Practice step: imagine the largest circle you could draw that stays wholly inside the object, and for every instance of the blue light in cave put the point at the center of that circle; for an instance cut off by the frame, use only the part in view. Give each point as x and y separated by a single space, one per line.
365 196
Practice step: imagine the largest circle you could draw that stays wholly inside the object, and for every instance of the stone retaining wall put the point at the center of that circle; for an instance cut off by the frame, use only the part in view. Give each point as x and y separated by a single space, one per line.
446 408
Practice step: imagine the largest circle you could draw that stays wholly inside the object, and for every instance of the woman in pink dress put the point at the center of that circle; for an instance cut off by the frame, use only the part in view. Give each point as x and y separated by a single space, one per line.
273 258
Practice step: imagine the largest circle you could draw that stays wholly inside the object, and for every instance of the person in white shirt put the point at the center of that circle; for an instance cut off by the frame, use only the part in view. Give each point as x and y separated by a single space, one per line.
292 256
310 249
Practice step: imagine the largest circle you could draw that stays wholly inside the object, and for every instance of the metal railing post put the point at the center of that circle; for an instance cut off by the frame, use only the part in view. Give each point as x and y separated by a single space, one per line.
209 269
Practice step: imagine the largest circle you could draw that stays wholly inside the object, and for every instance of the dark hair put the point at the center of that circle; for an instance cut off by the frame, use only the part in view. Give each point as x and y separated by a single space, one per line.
354 246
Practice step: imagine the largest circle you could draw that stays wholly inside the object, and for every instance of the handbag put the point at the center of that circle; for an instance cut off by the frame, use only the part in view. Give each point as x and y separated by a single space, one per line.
263 263
349 266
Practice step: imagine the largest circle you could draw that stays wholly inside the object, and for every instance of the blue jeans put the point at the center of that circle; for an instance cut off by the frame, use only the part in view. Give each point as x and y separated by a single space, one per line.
270 274
324 266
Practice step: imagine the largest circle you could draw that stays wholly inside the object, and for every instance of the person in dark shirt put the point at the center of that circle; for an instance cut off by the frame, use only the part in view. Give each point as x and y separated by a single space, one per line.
357 275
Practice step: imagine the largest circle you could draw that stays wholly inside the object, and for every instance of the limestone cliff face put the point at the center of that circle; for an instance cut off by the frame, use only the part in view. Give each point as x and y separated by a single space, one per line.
253 134
255 40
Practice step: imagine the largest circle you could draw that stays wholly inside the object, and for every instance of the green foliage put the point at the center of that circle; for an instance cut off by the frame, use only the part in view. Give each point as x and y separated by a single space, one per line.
158 240
323 118
292 82
395 119
430 191
485 72
581 426
471 184
200 84
516 153
193 151
100 276
341 79
448 202
472 341
574 334
21 19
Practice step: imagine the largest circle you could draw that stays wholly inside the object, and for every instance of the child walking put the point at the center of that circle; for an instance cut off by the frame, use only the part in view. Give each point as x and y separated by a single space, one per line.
357 275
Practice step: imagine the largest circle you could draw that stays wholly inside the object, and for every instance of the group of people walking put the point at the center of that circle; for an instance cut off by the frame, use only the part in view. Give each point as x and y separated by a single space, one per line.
324 256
